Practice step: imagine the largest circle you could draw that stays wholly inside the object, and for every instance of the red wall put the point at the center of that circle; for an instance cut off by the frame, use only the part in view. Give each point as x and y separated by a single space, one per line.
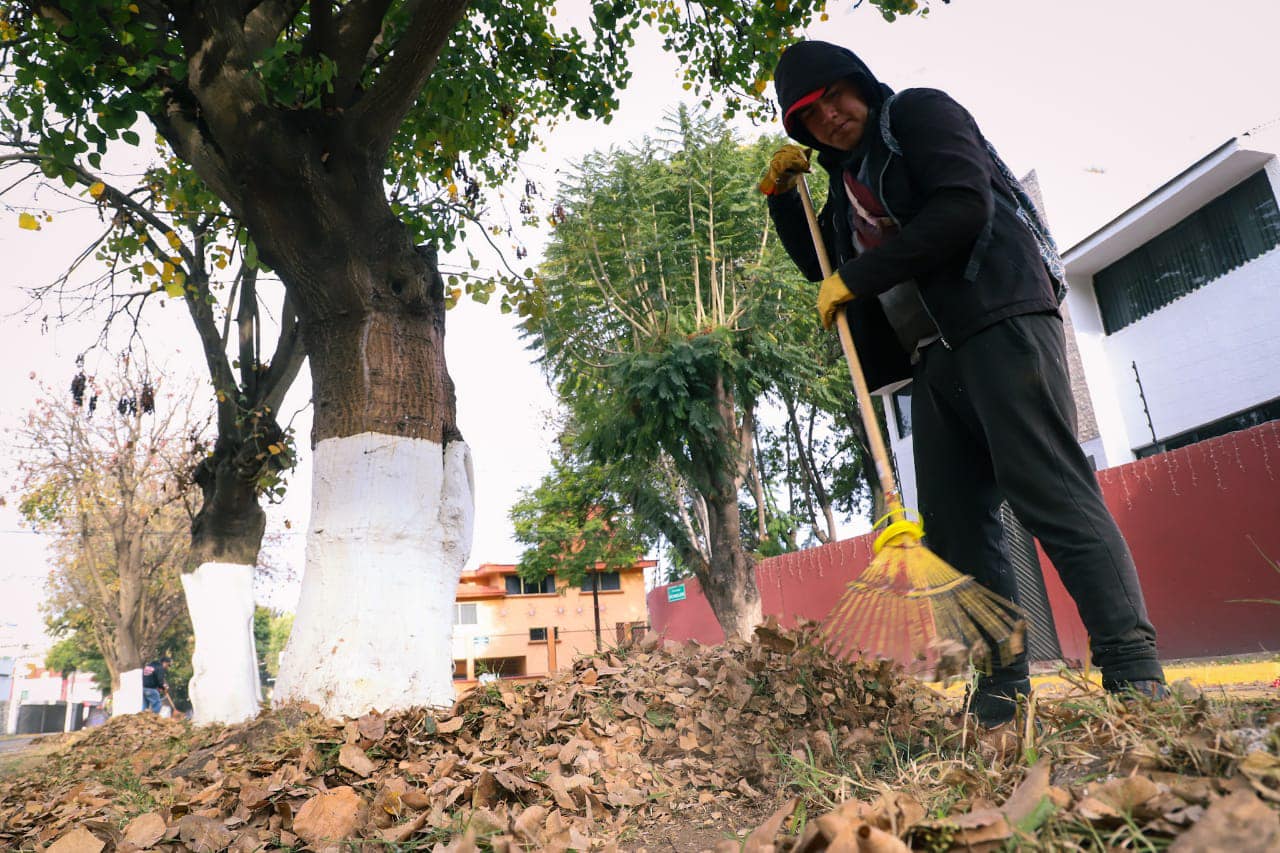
1188 516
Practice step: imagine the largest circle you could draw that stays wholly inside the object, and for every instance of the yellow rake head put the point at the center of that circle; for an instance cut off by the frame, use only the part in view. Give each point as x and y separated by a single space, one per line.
908 599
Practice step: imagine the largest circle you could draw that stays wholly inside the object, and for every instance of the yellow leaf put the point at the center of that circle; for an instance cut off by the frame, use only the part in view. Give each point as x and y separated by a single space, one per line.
133 7
275 449
220 263
149 268
97 189
453 190
174 289
222 396
174 242
166 275
28 222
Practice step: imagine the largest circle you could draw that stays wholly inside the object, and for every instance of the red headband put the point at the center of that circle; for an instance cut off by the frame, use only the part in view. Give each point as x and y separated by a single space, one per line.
801 104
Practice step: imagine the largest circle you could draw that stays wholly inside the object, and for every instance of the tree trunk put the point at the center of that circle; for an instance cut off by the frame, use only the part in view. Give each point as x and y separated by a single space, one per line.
393 496
226 536
730 584
126 689
729 581
224 686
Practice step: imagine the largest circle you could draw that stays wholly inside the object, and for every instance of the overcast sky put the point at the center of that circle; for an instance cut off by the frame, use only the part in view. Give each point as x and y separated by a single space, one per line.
1105 100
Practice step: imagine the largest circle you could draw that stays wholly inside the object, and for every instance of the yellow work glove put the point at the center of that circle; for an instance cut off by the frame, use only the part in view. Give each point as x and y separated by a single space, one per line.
784 169
831 295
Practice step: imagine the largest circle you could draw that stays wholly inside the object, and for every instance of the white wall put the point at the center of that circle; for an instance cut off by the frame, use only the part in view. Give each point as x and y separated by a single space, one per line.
902 450
1103 376
1208 354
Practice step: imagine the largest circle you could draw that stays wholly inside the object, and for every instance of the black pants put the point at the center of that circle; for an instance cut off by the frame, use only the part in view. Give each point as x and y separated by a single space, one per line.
995 419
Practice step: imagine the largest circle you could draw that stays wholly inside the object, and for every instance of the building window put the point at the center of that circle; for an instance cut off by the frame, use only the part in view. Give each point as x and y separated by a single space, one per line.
464 614
516 586
539 635
902 410
1233 229
609 581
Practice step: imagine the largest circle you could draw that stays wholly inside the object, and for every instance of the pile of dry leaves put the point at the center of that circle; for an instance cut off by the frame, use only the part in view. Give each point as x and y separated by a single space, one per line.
624 750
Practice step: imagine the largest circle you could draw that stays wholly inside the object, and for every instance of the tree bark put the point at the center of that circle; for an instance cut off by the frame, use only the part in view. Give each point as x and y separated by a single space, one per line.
729 580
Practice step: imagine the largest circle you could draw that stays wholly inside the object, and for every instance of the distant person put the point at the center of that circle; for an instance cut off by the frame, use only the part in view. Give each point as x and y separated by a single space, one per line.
949 279
155 683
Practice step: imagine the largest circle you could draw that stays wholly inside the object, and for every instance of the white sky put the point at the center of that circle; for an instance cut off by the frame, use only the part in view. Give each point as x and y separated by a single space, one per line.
1105 100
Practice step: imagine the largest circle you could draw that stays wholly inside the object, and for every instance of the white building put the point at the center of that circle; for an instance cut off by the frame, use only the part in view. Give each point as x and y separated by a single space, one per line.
41 700
1176 303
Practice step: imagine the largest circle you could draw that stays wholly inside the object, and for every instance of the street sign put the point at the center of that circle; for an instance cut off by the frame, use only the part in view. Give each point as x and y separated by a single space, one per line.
676 592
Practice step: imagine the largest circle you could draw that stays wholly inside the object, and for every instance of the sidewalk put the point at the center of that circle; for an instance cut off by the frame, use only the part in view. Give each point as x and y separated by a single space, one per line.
1240 676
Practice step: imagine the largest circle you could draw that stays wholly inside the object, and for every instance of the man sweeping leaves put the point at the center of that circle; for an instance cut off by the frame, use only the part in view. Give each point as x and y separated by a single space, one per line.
949 279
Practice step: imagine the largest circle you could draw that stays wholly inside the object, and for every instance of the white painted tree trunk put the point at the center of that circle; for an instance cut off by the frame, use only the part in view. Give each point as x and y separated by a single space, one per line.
128 699
224 686
391 522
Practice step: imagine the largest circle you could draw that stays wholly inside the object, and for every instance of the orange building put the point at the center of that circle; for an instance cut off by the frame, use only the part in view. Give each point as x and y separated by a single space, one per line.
502 625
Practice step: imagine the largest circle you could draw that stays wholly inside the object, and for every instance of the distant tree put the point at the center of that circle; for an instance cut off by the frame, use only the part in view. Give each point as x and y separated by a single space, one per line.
103 473
664 313
77 651
270 632
574 523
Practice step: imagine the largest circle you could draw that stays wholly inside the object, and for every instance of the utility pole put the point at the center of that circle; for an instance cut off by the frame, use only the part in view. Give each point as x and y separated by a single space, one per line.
595 603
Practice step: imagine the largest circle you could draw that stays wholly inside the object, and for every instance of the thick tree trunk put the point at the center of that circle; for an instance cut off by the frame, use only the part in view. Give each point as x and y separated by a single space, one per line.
226 536
224 686
392 499
390 531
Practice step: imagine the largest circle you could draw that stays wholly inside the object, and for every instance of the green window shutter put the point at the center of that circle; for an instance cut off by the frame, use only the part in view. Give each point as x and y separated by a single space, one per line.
1233 229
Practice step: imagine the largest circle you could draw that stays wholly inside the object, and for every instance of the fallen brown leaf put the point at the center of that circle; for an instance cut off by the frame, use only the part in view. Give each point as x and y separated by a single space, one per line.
78 840
1241 823
203 834
144 830
353 758
330 817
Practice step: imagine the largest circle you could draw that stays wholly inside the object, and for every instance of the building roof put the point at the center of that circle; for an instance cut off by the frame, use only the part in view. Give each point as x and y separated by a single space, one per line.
1171 202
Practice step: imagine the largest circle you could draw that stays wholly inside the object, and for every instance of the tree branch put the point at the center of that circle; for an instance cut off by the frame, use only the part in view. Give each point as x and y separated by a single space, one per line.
265 21
378 115
354 33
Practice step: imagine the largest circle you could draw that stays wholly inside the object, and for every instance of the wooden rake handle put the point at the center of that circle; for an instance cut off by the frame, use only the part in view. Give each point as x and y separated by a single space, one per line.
884 471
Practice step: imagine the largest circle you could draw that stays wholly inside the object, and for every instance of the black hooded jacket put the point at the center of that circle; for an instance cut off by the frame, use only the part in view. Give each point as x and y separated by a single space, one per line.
962 236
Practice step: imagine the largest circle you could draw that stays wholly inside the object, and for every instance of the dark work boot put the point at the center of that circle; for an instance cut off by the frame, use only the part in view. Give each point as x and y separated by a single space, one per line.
1150 689
995 702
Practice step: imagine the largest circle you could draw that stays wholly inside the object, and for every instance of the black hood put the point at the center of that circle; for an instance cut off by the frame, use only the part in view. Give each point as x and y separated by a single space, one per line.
809 65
